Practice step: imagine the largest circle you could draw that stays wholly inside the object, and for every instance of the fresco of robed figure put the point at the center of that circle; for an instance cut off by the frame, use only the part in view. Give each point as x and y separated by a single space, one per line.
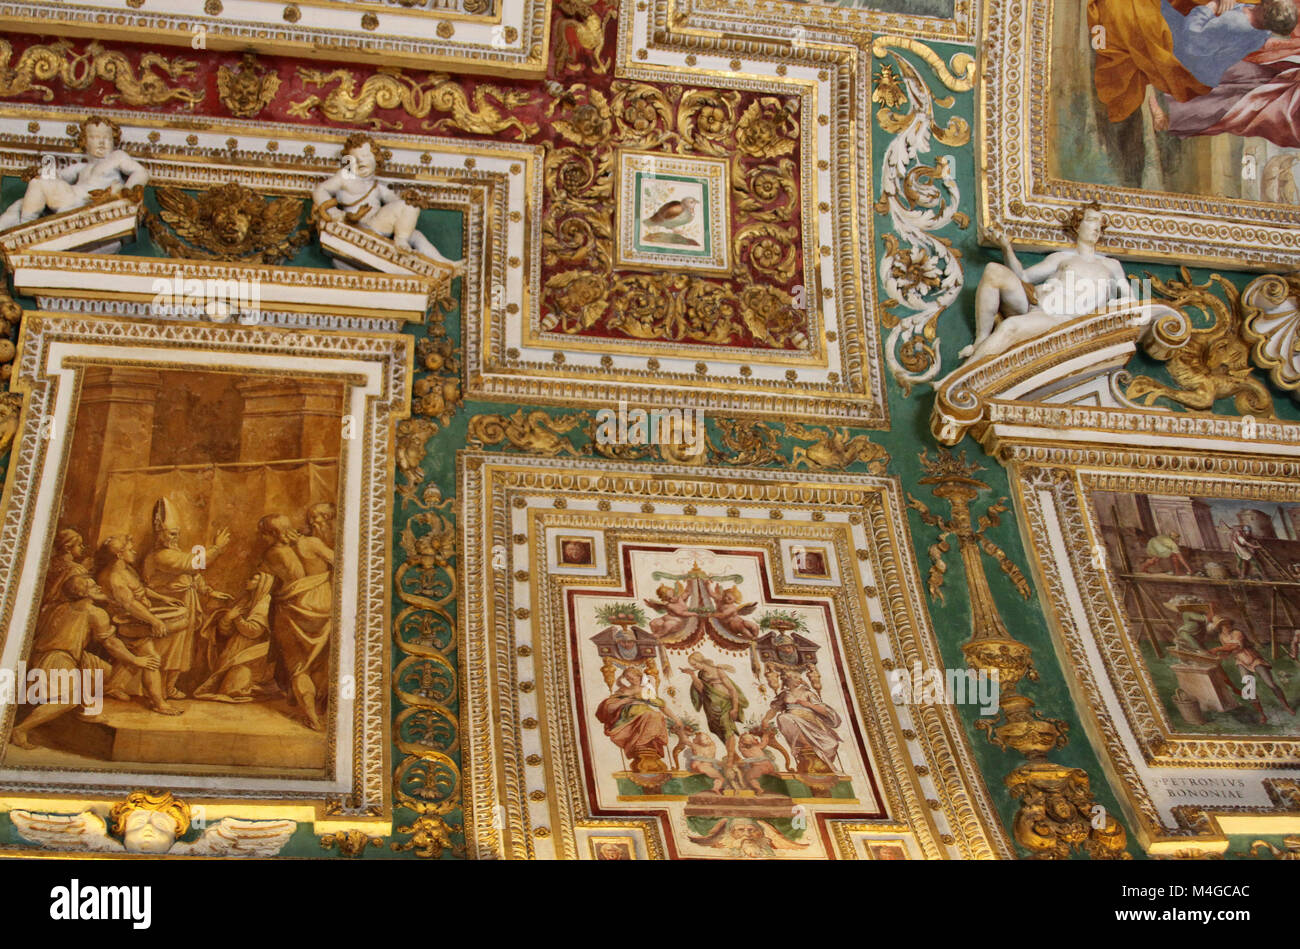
193 566
1178 96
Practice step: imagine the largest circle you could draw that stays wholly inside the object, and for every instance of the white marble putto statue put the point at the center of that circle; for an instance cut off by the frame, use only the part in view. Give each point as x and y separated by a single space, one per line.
357 197
104 171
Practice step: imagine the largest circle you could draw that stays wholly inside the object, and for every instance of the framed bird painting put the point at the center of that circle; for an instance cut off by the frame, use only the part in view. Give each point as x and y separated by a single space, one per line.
672 212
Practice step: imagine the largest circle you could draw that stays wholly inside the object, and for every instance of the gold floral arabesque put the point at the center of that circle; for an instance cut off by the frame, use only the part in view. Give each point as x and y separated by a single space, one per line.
758 303
920 271
744 442
1056 803
391 88
1215 362
426 779
77 71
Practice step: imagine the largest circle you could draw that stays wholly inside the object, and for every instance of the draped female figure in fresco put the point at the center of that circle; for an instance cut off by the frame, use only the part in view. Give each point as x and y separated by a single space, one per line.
716 694
806 723
239 650
637 721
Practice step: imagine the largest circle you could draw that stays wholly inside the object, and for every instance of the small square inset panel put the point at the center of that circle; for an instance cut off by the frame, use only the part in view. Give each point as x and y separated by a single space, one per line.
811 563
672 212
579 552
573 551
890 849
605 847
807 562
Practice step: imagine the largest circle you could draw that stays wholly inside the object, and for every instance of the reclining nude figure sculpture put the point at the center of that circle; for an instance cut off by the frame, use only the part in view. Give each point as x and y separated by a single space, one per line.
1034 300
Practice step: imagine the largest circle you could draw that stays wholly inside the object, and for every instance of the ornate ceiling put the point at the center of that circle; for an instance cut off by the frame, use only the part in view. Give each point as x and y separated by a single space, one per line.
594 368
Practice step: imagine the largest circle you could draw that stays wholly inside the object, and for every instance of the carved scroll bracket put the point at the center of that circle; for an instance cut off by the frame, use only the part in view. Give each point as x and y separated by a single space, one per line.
1077 363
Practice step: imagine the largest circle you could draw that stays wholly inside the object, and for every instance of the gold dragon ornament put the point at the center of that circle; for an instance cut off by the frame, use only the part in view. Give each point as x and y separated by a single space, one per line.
248 89
534 432
391 88
748 443
77 71
228 222
834 449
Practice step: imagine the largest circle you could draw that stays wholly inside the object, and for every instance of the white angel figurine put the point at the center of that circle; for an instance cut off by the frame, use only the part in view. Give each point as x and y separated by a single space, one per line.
105 171
356 196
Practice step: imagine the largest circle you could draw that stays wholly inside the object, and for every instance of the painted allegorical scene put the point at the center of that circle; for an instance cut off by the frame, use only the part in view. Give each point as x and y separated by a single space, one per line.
1210 591
703 694
193 566
1178 96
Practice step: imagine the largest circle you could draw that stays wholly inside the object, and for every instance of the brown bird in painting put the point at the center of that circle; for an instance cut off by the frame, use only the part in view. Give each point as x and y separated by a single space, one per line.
674 214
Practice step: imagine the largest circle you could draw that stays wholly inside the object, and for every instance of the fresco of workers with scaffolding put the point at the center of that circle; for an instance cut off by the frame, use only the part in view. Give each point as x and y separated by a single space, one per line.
1210 589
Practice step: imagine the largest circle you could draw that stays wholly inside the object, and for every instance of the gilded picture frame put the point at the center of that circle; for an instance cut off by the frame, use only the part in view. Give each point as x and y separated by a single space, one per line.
365 376
543 778
1131 621
1054 132
673 212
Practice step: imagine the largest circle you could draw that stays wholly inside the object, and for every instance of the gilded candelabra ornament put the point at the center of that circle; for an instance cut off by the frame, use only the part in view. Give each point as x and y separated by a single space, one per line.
920 271
1058 814
1215 363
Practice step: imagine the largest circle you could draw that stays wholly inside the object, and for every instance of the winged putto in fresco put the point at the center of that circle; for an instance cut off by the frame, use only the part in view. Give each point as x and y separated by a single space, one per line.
697 605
